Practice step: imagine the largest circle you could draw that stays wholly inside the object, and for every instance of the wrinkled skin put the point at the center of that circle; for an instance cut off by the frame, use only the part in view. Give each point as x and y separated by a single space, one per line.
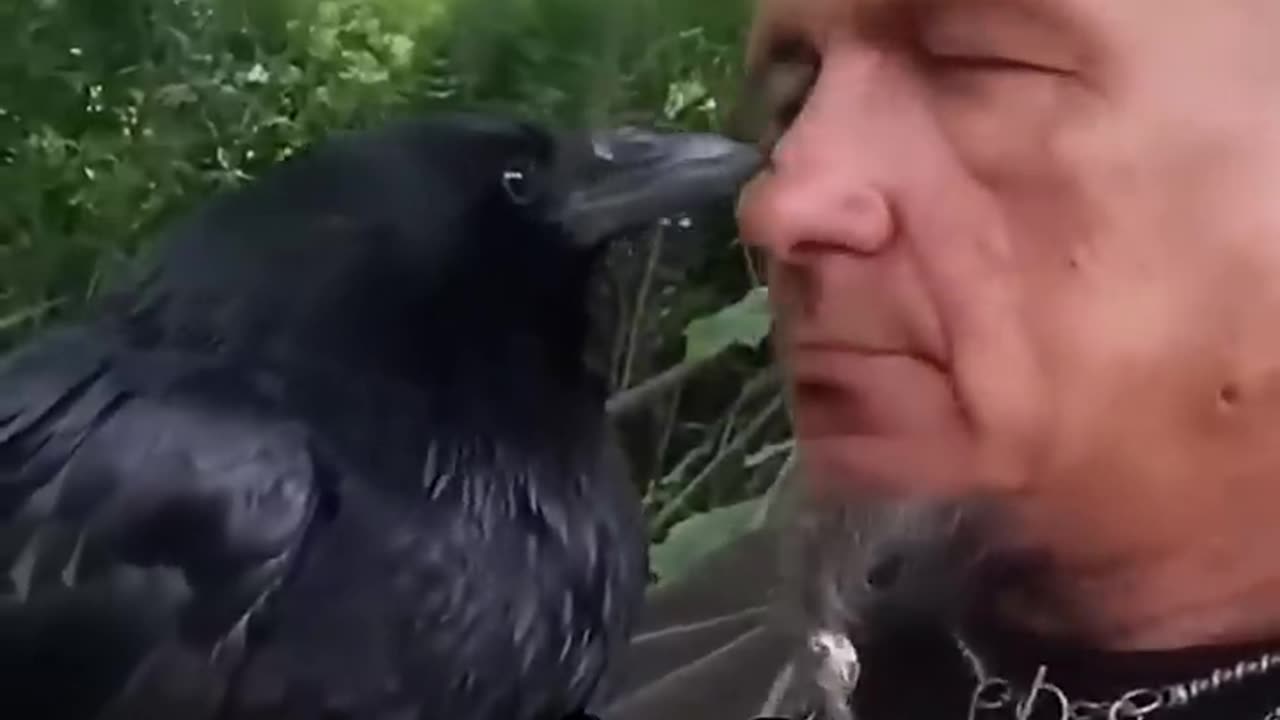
1029 252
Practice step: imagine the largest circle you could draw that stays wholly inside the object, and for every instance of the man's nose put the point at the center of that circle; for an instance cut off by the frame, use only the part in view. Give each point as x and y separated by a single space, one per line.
824 187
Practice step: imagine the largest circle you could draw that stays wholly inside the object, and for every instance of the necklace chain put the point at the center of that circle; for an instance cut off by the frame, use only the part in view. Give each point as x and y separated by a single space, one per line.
994 694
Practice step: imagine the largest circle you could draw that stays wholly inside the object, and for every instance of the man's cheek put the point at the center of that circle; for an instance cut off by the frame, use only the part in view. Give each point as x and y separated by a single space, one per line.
1010 413
1124 368
993 364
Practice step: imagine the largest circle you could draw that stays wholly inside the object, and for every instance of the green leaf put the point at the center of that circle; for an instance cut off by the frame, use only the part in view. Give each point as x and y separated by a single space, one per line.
329 13
746 322
695 538
682 95
400 48
176 95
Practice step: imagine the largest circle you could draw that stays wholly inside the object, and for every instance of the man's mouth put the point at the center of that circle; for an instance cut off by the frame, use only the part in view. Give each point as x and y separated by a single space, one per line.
805 348
840 389
823 408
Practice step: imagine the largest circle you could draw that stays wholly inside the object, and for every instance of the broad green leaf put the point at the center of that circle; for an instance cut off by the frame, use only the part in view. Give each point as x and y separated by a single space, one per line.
746 322
693 539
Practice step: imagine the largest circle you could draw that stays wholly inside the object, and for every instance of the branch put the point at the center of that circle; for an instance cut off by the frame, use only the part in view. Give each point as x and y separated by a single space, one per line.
713 440
668 427
734 449
704 449
641 302
625 402
759 383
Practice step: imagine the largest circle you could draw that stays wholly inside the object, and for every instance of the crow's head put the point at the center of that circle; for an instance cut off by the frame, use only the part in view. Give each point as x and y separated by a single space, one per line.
439 241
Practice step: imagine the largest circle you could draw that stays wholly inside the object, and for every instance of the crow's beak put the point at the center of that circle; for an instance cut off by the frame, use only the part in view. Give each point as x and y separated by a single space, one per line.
631 177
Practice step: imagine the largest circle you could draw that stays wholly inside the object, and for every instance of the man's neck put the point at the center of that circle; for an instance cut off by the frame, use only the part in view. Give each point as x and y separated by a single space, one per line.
1200 593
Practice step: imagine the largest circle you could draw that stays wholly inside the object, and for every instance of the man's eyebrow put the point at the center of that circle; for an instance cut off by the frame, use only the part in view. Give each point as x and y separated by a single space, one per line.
1064 14
783 38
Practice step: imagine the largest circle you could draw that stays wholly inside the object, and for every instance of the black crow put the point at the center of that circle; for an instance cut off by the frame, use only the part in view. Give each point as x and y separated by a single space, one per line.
336 453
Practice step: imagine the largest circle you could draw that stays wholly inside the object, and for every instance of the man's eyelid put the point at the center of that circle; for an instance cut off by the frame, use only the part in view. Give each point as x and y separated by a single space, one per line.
998 34
992 61
1010 51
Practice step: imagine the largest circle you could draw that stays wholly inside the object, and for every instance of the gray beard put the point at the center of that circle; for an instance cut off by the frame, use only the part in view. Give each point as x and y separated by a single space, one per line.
856 573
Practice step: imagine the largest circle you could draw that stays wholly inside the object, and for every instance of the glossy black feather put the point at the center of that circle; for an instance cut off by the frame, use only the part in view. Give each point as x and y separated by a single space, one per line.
335 455
140 500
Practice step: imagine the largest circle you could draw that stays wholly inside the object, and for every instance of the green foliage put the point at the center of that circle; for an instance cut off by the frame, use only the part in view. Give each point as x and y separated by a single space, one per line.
116 116
746 322
699 536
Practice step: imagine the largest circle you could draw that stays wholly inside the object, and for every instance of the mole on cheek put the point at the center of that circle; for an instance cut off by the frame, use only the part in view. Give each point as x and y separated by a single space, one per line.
1229 396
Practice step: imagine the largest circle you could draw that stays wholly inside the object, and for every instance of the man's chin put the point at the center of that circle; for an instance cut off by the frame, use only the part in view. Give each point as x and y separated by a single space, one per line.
852 466
888 528
886 538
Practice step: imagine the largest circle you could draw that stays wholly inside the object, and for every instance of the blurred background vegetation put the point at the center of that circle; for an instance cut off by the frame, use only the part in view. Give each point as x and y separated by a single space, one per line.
115 115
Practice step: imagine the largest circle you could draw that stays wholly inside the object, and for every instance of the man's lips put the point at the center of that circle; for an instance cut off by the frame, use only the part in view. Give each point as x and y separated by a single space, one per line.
876 419
817 347
844 389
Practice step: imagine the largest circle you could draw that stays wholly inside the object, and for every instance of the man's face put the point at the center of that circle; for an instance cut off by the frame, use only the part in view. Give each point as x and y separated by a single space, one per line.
1029 249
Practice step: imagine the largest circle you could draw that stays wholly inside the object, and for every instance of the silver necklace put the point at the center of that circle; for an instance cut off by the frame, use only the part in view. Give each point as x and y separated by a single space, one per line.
995 694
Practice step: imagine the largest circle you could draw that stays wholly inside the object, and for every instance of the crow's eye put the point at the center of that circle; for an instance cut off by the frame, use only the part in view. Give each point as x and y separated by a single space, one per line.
519 182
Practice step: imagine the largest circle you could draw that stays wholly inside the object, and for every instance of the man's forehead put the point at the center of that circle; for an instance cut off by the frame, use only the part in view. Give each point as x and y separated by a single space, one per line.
780 20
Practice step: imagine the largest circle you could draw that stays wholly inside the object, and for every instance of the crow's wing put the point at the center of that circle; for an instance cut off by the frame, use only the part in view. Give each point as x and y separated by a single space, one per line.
148 506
